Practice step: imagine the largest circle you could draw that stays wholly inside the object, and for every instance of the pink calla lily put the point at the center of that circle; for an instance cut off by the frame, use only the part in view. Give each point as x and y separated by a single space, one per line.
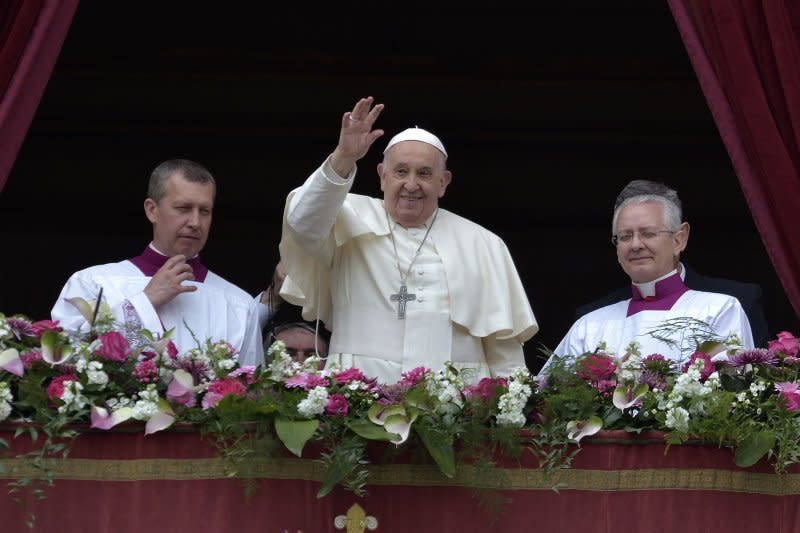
10 362
52 352
161 420
577 429
626 396
182 388
102 419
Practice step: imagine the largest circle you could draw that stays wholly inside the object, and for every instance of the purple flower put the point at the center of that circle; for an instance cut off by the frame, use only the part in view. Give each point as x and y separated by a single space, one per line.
21 328
756 356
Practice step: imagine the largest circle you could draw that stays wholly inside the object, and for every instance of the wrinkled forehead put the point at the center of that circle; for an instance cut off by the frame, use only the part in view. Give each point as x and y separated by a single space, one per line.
640 215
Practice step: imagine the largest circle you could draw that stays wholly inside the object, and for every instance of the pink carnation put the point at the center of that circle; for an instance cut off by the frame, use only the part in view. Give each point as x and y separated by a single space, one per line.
337 404
146 371
306 381
220 388
247 371
790 392
30 358
114 346
413 376
708 365
56 387
786 343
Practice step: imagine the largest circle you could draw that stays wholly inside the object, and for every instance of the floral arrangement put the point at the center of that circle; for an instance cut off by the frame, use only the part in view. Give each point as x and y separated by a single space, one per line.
51 380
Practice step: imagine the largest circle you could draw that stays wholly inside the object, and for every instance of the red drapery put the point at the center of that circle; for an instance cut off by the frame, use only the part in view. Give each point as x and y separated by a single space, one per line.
174 481
746 54
31 35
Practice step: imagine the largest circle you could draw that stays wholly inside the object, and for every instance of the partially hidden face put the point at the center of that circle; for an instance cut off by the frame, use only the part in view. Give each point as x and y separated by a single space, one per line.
652 250
182 218
413 178
300 343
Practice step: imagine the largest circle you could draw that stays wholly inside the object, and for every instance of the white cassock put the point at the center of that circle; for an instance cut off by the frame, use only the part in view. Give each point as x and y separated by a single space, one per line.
217 310
469 304
631 320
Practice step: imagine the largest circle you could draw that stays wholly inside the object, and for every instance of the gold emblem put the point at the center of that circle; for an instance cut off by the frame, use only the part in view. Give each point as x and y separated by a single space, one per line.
356 520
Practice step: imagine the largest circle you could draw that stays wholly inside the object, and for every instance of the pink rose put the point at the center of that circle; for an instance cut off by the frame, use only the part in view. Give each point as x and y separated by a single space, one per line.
790 394
40 326
596 367
487 389
114 347
786 343
337 404
346 376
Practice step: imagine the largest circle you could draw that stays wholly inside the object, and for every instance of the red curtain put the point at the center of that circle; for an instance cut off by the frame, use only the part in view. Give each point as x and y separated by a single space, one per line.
31 35
746 54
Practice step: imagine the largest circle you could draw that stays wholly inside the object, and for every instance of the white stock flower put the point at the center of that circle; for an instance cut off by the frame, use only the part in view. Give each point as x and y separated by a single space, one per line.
314 403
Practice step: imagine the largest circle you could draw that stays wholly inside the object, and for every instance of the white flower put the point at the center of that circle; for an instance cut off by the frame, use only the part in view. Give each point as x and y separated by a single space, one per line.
678 419
5 392
314 403
73 397
95 373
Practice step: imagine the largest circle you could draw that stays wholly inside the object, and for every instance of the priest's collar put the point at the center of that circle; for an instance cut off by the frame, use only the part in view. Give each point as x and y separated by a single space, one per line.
152 259
657 295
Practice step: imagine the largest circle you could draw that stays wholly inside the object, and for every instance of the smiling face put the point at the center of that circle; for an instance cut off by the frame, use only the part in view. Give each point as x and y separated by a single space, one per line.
182 218
413 178
653 250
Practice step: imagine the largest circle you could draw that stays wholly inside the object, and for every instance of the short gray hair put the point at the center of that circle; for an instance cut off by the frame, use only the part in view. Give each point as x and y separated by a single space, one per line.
190 170
640 191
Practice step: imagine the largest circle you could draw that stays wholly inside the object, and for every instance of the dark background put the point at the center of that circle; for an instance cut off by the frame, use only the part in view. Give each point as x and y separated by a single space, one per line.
546 113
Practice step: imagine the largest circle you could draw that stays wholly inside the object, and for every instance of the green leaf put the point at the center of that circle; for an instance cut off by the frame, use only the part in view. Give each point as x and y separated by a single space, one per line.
753 448
440 448
295 433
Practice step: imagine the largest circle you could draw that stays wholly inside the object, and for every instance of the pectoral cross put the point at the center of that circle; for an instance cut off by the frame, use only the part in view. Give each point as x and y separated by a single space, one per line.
401 298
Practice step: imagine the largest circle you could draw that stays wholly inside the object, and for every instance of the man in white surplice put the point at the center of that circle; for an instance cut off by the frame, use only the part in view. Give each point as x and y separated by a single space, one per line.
167 286
400 282
649 236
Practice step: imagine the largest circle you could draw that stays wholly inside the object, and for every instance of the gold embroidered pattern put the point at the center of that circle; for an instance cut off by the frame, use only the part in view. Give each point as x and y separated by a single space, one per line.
417 475
356 520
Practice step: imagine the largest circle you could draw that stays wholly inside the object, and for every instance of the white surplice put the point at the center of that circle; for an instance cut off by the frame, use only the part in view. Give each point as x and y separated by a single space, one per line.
470 307
611 325
217 310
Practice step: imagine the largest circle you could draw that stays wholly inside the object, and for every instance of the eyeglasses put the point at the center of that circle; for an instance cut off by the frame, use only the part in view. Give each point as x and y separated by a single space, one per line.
645 235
